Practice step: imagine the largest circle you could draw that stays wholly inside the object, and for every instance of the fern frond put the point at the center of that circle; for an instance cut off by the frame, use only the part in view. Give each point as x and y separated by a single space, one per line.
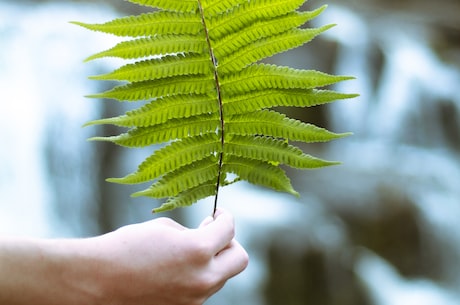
158 23
170 5
258 100
171 130
188 197
172 157
267 47
163 109
186 177
260 173
232 20
154 46
272 150
219 7
195 66
163 87
256 31
157 68
262 77
277 125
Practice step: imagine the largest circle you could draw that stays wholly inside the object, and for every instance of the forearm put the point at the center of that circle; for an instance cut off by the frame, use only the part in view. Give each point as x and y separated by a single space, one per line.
47 272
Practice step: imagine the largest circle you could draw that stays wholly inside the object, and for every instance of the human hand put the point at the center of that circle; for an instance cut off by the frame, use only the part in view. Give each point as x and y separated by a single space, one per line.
157 262
163 263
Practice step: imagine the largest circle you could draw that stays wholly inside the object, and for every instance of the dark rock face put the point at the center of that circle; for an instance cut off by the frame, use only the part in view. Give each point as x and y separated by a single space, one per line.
303 272
312 276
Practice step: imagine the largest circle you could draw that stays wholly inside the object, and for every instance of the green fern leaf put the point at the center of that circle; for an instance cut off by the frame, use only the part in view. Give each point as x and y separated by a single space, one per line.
259 30
258 100
188 197
259 172
162 110
212 8
170 5
188 176
277 125
272 150
172 157
195 66
157 68
163 87
263 48
159 23
226 21
154 46
171 130
263 77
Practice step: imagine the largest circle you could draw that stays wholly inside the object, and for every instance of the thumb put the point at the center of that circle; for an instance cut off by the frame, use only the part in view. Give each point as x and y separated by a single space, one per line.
206 221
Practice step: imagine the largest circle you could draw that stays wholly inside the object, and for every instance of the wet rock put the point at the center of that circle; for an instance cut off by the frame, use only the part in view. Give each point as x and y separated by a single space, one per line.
301 273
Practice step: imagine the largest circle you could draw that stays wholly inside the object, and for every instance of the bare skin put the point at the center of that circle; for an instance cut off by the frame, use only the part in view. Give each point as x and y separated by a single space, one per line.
157 262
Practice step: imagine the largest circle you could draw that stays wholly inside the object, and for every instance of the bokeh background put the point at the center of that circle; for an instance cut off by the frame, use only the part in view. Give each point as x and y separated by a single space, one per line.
380 229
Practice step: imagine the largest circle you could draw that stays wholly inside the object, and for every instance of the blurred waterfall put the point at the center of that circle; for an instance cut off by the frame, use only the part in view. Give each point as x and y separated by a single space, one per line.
42 84
406 143
52 181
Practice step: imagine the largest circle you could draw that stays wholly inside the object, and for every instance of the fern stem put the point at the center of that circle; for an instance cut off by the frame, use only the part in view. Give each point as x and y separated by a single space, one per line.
219 99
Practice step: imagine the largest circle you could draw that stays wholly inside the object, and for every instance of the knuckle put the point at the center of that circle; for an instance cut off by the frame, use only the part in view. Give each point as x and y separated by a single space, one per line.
241 257
206 283
245 259
202 250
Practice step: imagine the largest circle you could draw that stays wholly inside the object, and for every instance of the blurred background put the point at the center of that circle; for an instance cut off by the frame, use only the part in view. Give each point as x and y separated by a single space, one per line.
380 229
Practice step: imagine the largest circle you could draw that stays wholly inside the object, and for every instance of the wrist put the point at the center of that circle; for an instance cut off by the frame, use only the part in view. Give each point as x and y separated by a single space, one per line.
79 269
103 278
